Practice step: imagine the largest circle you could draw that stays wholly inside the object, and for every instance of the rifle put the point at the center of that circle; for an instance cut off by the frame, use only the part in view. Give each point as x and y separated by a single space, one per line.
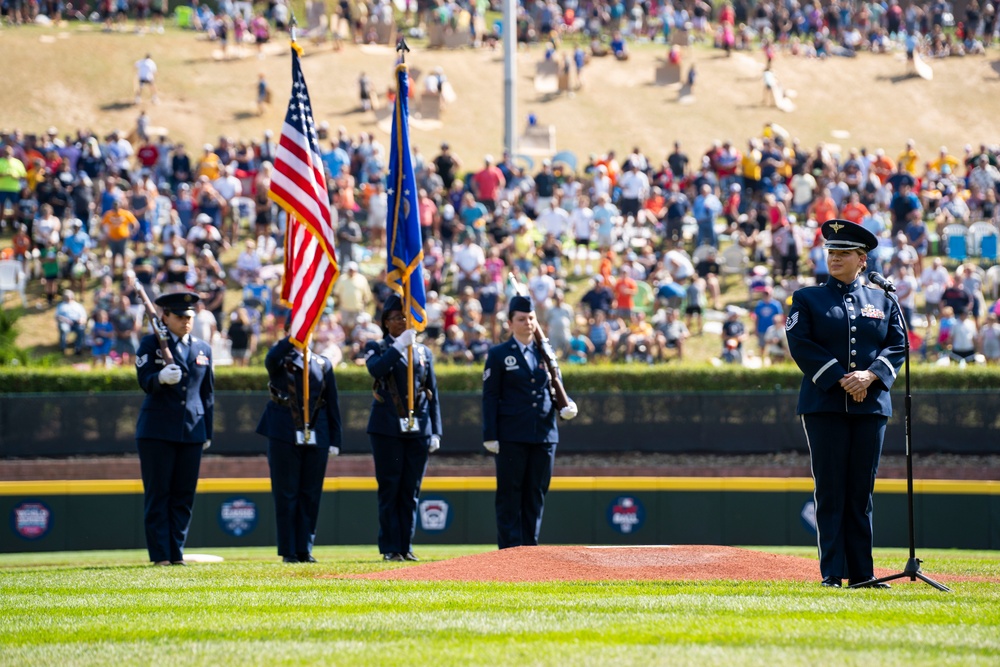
546 357
159 328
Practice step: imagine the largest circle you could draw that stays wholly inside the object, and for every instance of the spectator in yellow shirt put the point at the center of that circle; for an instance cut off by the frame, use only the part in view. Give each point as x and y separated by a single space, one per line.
909 158
210 165
943 159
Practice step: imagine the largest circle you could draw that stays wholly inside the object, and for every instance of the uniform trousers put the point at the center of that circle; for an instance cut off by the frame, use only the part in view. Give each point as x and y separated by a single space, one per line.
844 452
524 471
297 474
400 464
169 480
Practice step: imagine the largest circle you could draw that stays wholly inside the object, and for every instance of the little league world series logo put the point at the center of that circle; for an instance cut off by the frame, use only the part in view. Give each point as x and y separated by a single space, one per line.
435 515
626 514
238 516
31 519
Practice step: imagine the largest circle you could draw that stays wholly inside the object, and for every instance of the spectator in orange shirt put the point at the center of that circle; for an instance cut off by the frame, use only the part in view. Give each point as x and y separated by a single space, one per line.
625 291
118 225
607 267
883 166
824 208
854 210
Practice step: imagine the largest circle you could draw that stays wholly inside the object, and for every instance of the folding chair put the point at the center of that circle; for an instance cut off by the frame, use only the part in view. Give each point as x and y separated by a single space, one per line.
957 250
13 279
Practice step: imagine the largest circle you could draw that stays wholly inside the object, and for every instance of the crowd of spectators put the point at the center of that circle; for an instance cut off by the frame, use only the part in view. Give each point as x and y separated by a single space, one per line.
647 241
800 27
644 241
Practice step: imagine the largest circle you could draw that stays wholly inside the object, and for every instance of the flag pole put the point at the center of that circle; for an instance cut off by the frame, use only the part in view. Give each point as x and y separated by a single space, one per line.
305 391
402 48
409 353
292 29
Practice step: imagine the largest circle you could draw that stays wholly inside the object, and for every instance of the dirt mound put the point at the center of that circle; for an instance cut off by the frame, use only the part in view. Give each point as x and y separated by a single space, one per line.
627 563
605 563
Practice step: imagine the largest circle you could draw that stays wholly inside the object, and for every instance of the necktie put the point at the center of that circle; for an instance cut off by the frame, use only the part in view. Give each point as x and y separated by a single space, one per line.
181 349
529 356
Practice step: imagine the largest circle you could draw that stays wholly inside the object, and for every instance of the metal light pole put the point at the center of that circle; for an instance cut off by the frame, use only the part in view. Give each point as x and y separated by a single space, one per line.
510 75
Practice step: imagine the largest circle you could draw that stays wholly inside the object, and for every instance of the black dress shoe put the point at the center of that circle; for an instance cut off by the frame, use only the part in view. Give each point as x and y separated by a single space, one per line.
393 557
881 584
289 559
306 558
177 562
409 556
832 582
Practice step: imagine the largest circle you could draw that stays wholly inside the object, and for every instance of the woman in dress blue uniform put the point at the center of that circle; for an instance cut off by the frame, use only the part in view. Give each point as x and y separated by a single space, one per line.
297 460
175 425
400 453
848 340
519 426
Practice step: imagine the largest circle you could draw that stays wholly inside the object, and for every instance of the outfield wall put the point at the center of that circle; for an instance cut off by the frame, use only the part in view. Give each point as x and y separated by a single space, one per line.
99 424
107 514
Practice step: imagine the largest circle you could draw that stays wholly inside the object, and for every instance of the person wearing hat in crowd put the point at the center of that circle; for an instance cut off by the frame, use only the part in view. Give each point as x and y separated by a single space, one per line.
298 445
519 427
175 425
400 447
848 339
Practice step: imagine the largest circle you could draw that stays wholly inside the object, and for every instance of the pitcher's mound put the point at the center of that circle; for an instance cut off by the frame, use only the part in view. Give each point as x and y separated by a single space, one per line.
571 563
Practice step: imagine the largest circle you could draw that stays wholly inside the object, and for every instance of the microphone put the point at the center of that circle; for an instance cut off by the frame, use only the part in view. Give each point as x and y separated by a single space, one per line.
877 278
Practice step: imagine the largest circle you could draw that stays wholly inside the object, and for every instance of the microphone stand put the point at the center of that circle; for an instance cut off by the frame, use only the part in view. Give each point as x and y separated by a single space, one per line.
912 568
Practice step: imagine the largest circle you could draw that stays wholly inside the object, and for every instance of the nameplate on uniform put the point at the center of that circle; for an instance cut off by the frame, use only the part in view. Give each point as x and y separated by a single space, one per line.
873 312
409 427
302 439
201 359
510 363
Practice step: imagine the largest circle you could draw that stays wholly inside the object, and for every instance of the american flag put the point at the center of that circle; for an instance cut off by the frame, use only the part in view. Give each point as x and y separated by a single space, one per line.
298 185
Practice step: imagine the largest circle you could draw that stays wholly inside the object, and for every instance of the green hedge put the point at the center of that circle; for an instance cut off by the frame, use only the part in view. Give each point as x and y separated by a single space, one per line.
600 378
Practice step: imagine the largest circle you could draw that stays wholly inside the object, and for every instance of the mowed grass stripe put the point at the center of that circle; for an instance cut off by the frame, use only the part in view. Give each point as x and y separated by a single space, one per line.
109 607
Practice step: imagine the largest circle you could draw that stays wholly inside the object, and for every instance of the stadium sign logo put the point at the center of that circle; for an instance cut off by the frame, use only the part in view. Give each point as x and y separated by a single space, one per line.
435 515
626 514
808 515
31 519
238 516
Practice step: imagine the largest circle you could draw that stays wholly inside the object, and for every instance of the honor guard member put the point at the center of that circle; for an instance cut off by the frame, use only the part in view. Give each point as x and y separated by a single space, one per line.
399 448
848 340
175 425
296 455
519 426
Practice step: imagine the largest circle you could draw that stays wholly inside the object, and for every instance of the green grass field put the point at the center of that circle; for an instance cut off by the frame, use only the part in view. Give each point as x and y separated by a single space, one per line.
104 608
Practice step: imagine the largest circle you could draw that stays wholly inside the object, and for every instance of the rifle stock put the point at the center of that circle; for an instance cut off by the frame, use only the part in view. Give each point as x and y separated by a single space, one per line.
159 328
548 359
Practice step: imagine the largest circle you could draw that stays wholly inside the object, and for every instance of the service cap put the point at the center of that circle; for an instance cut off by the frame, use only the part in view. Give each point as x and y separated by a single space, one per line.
847 235
178 303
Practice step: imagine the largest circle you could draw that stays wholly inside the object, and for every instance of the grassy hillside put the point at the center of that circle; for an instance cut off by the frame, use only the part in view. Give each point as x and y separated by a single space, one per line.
76 76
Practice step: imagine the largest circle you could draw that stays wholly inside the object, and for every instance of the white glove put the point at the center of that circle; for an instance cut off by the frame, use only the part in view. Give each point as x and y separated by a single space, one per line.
569 411
405 340
206 445
171 374
334 451
492 446
435 444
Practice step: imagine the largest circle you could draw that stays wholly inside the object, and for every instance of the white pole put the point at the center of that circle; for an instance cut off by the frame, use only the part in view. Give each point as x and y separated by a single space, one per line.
510 76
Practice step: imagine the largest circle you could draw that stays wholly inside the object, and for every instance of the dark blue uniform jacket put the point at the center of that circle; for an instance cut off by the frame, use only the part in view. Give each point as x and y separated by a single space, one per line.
838 328
383 361
517 404
181 412
277 421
